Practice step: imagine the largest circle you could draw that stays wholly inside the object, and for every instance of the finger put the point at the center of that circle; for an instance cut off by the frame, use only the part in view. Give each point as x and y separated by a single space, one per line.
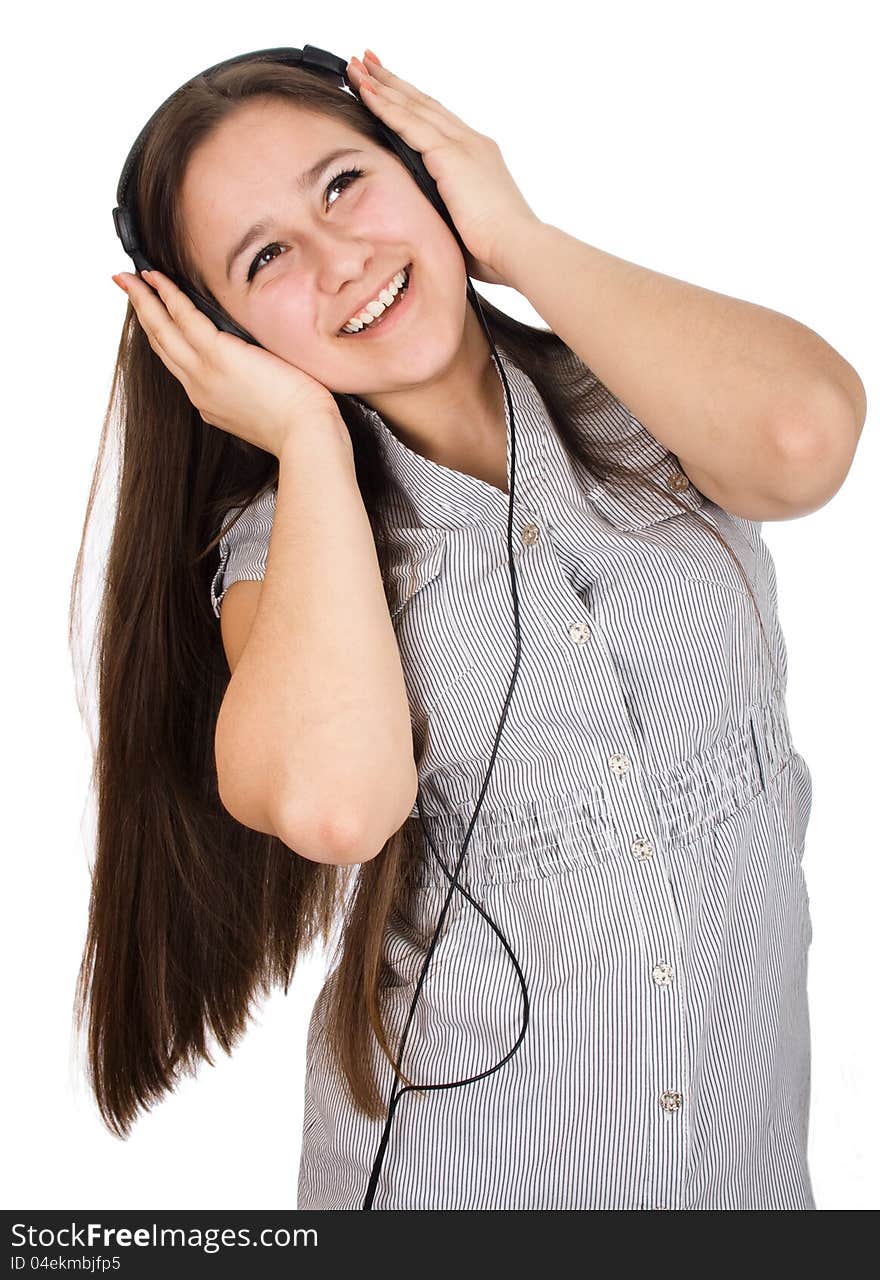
170 364
157 323
420 127
382 74
387 78
174 356
390 97
198 329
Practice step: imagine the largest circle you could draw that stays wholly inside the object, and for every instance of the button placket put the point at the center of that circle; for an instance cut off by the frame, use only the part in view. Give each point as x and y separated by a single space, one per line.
661 934
660 929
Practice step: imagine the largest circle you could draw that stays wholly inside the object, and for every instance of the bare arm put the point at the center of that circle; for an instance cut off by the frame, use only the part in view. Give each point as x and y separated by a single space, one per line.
313 739
761 412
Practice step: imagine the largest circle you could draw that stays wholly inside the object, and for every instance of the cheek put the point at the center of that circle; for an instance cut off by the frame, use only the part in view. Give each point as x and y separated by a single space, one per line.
283 316
448 278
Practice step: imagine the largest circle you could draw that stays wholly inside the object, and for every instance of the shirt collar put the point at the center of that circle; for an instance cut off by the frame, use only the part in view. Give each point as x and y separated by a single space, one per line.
444 498
440 497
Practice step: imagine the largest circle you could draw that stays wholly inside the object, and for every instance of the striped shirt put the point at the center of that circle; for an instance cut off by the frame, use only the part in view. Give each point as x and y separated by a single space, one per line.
639 846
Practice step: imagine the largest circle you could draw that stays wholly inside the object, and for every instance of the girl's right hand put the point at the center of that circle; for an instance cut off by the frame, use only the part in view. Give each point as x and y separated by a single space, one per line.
235 385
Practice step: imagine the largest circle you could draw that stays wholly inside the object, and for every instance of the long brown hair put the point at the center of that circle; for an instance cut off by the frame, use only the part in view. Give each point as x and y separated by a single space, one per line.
193 916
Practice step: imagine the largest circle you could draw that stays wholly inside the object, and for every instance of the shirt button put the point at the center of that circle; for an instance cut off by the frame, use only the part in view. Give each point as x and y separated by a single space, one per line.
642 850
670 1100
662 973
678 481
618 764
579 633
529 534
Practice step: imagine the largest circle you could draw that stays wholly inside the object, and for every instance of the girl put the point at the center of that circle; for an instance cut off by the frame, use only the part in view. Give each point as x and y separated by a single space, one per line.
613 1013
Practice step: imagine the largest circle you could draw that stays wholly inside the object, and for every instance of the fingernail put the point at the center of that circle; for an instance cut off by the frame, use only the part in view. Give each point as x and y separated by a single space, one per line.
117 280
368 53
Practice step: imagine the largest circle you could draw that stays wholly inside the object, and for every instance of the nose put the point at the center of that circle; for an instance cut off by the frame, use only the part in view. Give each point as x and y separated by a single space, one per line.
340 261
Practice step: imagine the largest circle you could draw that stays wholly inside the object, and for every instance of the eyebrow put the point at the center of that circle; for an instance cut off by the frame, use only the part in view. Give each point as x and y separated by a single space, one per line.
304 183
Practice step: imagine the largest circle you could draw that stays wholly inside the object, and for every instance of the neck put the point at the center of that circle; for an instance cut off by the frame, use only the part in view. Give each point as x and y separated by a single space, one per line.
458 420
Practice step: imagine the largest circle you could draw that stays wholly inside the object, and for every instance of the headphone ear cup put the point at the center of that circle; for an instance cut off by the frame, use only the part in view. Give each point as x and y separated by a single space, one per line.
126 229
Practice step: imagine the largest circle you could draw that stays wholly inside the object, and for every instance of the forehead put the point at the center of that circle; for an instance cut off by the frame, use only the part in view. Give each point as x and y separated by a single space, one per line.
261 146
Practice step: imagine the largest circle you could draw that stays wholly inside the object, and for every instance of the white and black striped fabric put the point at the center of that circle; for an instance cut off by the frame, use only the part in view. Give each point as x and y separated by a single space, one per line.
640 846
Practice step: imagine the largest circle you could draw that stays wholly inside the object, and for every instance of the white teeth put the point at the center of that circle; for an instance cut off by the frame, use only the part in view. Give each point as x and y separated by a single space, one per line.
374 309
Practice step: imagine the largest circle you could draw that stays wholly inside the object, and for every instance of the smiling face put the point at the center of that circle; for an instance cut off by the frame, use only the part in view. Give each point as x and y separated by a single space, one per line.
324 250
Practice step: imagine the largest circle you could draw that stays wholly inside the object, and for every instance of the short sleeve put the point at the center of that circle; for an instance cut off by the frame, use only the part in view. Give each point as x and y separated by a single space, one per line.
245 548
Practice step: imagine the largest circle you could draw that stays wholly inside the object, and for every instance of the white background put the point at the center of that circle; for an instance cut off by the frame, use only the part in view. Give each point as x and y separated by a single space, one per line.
732 146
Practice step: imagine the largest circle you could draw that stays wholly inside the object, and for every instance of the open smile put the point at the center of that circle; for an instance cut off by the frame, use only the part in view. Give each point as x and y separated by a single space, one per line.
391 316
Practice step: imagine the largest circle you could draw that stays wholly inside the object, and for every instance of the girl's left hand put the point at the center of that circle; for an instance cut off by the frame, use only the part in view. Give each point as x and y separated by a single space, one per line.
483 200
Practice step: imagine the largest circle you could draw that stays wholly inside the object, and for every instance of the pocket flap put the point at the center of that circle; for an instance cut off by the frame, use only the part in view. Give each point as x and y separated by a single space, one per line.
622 503
415 559
629 507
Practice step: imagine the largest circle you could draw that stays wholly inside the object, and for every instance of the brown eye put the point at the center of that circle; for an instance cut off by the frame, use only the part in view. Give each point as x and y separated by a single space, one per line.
254 268
347 176
350 174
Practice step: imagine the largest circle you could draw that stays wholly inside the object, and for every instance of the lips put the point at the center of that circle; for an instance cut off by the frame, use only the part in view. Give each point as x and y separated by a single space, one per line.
371 298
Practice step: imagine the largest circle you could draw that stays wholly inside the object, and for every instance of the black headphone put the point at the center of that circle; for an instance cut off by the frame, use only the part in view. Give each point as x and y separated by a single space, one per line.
125 221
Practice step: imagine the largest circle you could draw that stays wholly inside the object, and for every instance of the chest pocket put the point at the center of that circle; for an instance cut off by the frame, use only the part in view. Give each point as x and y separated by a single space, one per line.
416 560
435 650
628 507
687 548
